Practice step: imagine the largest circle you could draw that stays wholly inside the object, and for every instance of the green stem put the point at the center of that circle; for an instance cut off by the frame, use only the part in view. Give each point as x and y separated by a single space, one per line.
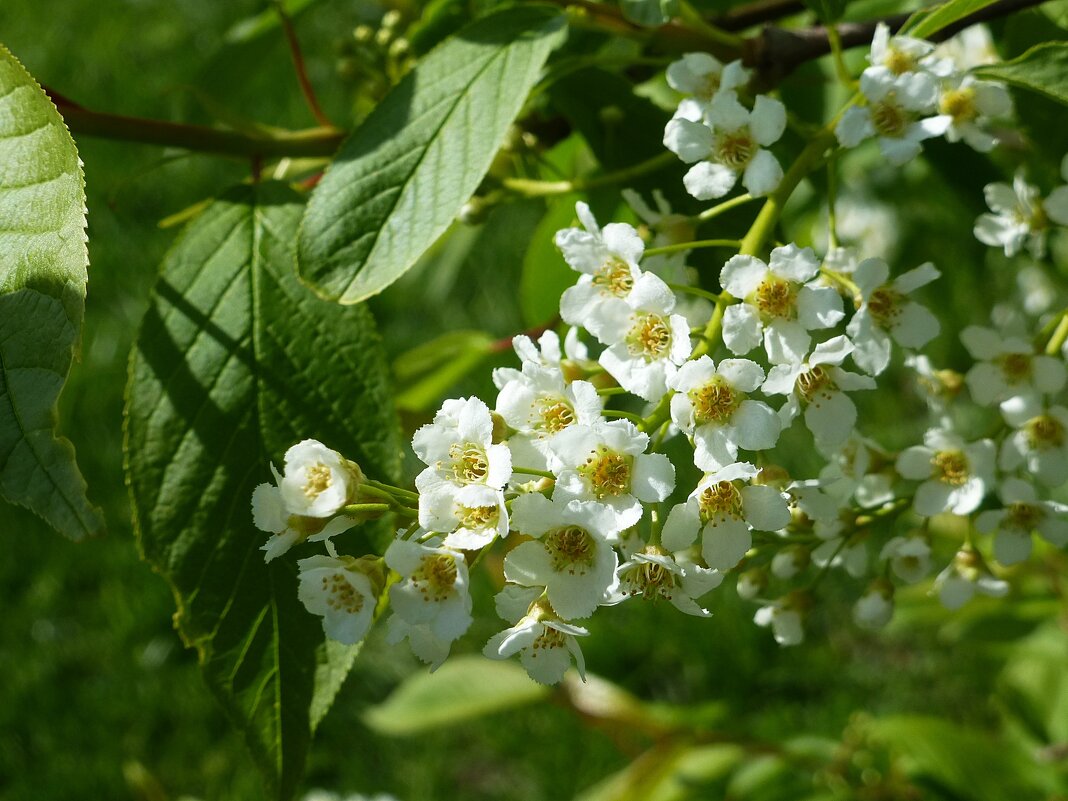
694 290
693 19
530 471
832 199
699 243
755 240
835 41
530 188
310 142
611 390
723 207
1060 334
389 488
637 419
356 508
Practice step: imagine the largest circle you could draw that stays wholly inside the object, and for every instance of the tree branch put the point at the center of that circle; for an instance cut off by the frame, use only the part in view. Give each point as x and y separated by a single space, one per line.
311 142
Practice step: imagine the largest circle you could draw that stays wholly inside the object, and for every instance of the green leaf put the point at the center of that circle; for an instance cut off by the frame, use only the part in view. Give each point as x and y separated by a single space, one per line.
425 373
43 261
257 25
649 12
939 17
235 362
827 10
1042 69
404 174
465 687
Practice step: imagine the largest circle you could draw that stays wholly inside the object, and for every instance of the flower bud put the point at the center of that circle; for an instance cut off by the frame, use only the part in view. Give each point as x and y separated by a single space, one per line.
752 583
875 607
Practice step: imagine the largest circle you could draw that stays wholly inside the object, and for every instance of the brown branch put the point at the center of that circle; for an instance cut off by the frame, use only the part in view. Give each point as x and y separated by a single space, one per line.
312 142
306 88
777 52
758 13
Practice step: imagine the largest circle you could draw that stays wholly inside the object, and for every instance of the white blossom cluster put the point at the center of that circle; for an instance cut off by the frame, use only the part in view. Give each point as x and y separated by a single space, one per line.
566 474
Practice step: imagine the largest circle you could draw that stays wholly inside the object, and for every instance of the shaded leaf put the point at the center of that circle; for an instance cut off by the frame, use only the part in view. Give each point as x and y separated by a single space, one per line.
1042 69
43 262
403 176
464 687
946 14
235 362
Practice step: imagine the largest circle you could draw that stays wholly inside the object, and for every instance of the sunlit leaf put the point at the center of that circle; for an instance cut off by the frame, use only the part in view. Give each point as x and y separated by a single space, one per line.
43 262
403 176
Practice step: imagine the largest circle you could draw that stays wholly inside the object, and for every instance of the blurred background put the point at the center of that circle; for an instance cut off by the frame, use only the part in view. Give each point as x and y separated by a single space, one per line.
100 700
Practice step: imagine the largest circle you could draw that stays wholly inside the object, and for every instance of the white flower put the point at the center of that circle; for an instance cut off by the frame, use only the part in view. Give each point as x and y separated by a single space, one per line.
712 406
850 474
963 577
970 104
910 558
886 311
824 508
344 591
458 448
1017 221
790 561
1022 514
471 516
1008 367
655 574
543 356
269 513
433 592
538 404
1040 440
317 481
895 115
703 76
752 583
955 474
905 63
875 607
572 557
608 260
785 616
723 510
545 643
820 385
777 304
607 464
646 346
730 142
972 47
1056 205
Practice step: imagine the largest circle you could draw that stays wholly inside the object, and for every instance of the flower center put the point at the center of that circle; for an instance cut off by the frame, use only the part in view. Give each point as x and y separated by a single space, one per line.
1044 432
341 596
959 104
1024 516
317 479
478 517
651 580
715 402
614 277
883 306
1016 367
649 337
548 639
735 149
719 499
708 85
469 462
815 381
950 467
889 119
554 414
571 549
436 577
899 62
775 297
607 472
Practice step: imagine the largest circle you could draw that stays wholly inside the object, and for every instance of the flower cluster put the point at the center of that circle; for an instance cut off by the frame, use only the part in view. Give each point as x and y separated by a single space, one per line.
582 502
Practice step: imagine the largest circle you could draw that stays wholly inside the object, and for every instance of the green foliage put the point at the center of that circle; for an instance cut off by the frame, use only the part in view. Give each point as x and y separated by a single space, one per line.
649 12
235 362
1042 69
402 177
43 262
827 10
461 689
931 21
